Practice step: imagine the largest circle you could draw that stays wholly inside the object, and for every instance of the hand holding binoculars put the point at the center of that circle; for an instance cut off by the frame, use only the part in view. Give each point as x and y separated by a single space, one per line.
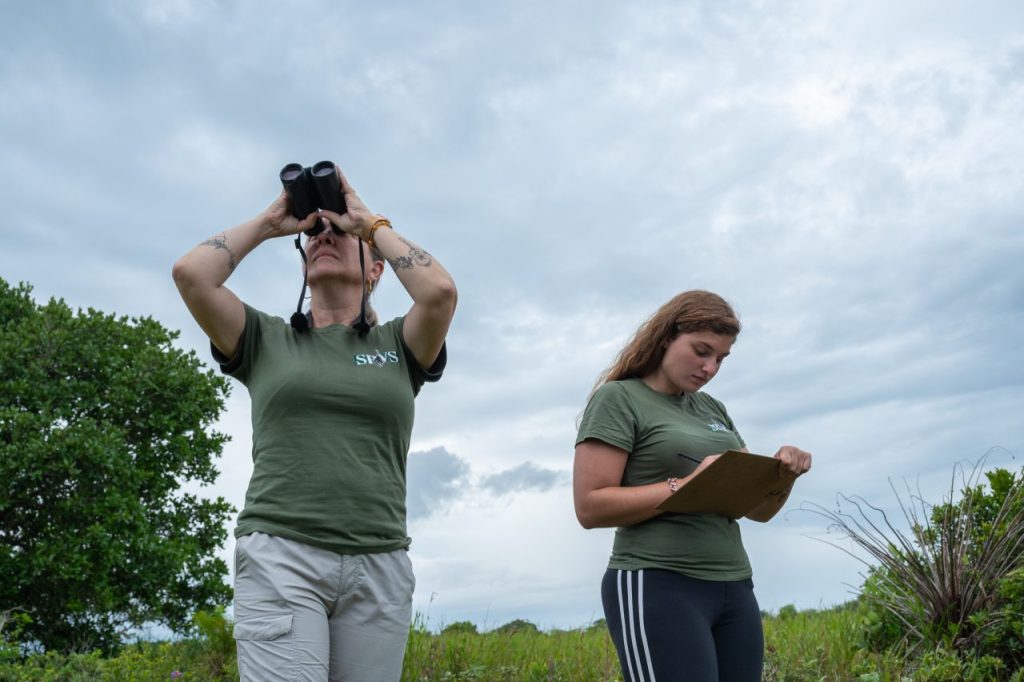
313 188
310 189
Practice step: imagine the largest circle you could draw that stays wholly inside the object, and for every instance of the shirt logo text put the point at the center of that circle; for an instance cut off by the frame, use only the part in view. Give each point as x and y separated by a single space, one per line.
378 358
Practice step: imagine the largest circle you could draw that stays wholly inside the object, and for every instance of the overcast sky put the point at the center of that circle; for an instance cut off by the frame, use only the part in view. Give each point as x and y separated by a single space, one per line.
848 174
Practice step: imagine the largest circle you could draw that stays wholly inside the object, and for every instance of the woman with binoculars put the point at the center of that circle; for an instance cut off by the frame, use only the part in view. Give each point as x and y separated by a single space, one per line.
323 581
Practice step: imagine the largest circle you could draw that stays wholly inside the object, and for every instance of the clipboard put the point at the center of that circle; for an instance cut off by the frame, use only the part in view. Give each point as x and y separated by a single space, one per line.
733 485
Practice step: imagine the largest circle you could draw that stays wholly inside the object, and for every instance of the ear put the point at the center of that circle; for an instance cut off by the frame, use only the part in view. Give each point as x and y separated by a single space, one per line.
376 270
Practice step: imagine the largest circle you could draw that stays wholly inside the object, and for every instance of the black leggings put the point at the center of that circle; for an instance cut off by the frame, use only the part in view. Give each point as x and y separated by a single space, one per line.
667 626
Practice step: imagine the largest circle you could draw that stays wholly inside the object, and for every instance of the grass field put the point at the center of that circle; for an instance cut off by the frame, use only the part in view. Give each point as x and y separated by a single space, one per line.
808 645
818 646
811 645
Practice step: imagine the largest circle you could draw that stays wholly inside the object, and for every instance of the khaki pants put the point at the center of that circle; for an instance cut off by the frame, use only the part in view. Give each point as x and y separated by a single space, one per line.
304 613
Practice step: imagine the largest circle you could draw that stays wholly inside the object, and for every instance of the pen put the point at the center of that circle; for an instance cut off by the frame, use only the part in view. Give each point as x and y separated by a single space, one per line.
692 459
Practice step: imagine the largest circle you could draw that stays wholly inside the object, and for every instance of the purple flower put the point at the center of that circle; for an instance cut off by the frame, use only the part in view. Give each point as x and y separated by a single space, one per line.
176 675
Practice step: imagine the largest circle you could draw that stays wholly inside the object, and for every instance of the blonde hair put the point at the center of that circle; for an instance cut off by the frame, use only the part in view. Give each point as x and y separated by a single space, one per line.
371 315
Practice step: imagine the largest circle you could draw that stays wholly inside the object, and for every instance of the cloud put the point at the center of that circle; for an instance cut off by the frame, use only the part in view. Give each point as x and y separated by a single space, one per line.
438 479
435 479
526 476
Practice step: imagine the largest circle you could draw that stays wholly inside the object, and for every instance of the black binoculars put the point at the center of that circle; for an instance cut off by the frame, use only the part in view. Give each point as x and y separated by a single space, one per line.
311 188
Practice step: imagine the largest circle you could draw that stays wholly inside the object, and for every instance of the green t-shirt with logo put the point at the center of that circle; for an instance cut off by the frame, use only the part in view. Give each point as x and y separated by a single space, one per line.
332 416
656 429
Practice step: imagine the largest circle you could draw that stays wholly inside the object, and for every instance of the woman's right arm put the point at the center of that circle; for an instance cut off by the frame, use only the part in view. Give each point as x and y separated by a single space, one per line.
201 273
600 498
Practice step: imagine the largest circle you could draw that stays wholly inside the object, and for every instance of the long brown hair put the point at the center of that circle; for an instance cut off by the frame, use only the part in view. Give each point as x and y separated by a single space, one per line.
688 312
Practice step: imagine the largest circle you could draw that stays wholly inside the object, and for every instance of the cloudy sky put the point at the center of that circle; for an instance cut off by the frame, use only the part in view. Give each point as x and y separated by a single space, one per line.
848 174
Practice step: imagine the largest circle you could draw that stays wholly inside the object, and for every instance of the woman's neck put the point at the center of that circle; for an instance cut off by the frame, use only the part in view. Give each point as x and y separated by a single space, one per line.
334 305
657 382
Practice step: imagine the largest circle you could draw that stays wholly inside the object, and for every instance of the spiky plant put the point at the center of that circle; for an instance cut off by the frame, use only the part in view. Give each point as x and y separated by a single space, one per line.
942 581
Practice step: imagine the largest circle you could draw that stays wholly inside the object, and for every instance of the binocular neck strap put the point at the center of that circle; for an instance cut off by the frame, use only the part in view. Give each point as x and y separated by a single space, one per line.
299 320
362 326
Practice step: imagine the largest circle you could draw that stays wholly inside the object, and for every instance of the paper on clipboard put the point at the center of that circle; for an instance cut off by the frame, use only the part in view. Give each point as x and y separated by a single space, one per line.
733 485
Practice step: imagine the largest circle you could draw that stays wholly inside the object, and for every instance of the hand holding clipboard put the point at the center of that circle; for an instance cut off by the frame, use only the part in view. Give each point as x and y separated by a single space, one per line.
734 485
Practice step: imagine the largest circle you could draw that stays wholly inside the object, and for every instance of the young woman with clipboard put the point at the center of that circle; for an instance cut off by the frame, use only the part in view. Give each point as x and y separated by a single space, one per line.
677 595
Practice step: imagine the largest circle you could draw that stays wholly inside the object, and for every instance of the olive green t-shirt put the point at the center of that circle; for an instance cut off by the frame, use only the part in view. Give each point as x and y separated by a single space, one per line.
655 429
332 416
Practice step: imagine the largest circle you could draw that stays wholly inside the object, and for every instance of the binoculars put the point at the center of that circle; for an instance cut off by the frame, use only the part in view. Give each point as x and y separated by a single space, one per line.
312 188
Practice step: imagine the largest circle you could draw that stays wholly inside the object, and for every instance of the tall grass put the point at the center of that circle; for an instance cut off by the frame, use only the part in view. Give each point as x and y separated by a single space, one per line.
512 654
815 645
801 646
824 645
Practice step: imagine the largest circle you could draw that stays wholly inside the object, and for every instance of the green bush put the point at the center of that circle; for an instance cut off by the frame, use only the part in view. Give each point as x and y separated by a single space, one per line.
217 643
462 627
517 626
1003 626
951 590
880 628
787 611
942 665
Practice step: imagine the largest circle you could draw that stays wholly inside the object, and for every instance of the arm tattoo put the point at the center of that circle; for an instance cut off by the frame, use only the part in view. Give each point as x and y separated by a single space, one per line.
221 242
417 256
401 263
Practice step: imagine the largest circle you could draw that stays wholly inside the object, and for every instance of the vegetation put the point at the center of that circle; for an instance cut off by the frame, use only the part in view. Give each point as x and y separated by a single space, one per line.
949 589
516 651
811 646
102 421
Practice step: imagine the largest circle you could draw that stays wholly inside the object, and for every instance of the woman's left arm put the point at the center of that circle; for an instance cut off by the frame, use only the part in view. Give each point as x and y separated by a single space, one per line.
793 462
431 287
432 291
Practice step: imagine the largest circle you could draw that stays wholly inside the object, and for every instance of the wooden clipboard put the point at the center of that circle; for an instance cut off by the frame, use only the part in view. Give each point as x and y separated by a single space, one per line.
733 485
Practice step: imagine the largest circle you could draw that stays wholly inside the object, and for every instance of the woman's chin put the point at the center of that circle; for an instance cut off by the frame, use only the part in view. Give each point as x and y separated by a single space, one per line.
320 275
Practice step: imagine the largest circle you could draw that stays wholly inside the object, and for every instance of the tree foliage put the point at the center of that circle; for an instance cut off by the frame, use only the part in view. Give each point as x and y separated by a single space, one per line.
102 422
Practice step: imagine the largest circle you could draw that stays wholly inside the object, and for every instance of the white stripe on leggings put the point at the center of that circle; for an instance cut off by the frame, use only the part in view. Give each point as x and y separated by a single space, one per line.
632 628
629 639
643 630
